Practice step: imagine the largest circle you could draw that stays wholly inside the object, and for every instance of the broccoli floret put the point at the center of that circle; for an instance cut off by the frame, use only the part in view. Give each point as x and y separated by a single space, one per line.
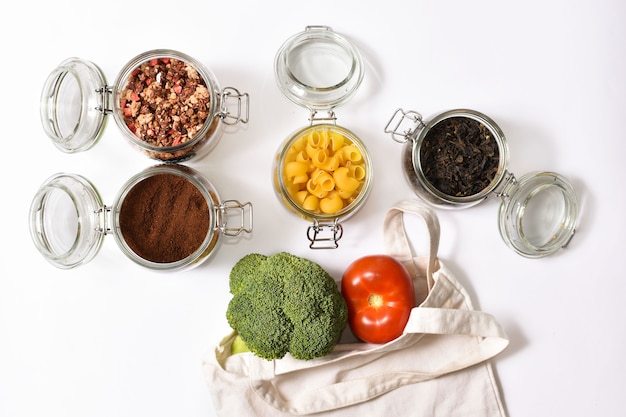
244 270
283 303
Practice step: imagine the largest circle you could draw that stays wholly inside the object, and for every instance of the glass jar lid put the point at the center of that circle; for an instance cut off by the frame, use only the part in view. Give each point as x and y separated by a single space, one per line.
538 213
65 222
318 69
71 105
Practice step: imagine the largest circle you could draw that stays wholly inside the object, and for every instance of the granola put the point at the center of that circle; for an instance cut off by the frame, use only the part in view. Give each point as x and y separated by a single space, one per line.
165 102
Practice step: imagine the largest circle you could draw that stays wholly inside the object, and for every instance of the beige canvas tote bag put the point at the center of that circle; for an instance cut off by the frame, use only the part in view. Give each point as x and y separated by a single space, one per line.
440 366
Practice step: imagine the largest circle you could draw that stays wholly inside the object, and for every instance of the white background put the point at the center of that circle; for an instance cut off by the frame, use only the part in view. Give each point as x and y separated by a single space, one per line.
111 339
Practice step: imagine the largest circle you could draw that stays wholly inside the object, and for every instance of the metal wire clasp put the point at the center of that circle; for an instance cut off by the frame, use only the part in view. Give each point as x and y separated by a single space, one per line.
105 93
328 241
507 183
229 209
103 214
330 117
400 119
242 106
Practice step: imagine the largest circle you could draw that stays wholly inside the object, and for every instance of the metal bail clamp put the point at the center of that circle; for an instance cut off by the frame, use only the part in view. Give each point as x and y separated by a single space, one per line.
104 105
400 132
103 214
230 208
327 240
509 181
242 106
329 118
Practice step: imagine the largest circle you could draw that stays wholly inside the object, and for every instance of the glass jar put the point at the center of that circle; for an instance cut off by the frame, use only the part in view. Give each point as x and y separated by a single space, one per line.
322 172
68 220
76 100
460 157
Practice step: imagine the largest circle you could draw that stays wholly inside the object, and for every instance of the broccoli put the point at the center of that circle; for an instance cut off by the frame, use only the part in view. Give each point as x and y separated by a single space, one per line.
283 303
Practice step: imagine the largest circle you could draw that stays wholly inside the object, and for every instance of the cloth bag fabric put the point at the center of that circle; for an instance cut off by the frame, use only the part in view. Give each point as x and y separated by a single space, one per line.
439 367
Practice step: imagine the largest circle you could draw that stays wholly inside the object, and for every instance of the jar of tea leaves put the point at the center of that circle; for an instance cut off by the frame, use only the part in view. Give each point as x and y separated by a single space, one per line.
166 218
460 157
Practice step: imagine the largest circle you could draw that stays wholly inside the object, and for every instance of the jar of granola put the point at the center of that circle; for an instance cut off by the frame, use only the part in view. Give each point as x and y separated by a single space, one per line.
459 158
322 172
166 218
166 103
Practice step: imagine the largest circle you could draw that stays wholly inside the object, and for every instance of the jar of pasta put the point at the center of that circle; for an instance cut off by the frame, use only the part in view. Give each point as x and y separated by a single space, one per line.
322 172
166 104
459 158
166 218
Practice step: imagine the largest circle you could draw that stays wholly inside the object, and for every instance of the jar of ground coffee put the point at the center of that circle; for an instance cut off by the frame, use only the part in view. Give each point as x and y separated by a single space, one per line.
166 103
322 172
166 218
460 157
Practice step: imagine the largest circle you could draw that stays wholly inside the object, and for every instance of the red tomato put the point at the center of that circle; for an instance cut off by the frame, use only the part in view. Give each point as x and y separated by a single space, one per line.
380 295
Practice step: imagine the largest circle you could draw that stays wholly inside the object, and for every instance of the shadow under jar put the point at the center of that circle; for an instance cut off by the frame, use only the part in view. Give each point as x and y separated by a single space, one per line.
165 218
322 172
167 105
460 157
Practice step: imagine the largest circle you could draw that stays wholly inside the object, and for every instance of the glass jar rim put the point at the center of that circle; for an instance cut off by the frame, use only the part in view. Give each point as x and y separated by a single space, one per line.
318 68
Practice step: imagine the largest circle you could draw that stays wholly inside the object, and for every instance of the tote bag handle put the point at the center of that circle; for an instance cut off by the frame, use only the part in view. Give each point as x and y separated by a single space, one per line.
397 242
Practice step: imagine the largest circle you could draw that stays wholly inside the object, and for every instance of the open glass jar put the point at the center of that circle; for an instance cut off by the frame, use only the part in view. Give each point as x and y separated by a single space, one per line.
459 157
167 218
167 105
322 172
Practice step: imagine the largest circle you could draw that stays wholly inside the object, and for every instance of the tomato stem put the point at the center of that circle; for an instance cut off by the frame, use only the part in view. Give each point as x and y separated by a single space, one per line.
375 300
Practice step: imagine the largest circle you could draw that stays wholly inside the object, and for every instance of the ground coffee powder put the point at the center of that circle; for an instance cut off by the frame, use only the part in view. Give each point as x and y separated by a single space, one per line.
164 218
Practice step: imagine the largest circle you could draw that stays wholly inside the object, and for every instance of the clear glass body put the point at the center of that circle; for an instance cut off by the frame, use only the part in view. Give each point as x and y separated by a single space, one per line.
414 170
291 190
204 140
212 238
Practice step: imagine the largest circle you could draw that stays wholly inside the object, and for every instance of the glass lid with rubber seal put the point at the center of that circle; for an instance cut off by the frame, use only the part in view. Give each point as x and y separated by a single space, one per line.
538 213
66 221
72 108
318 69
